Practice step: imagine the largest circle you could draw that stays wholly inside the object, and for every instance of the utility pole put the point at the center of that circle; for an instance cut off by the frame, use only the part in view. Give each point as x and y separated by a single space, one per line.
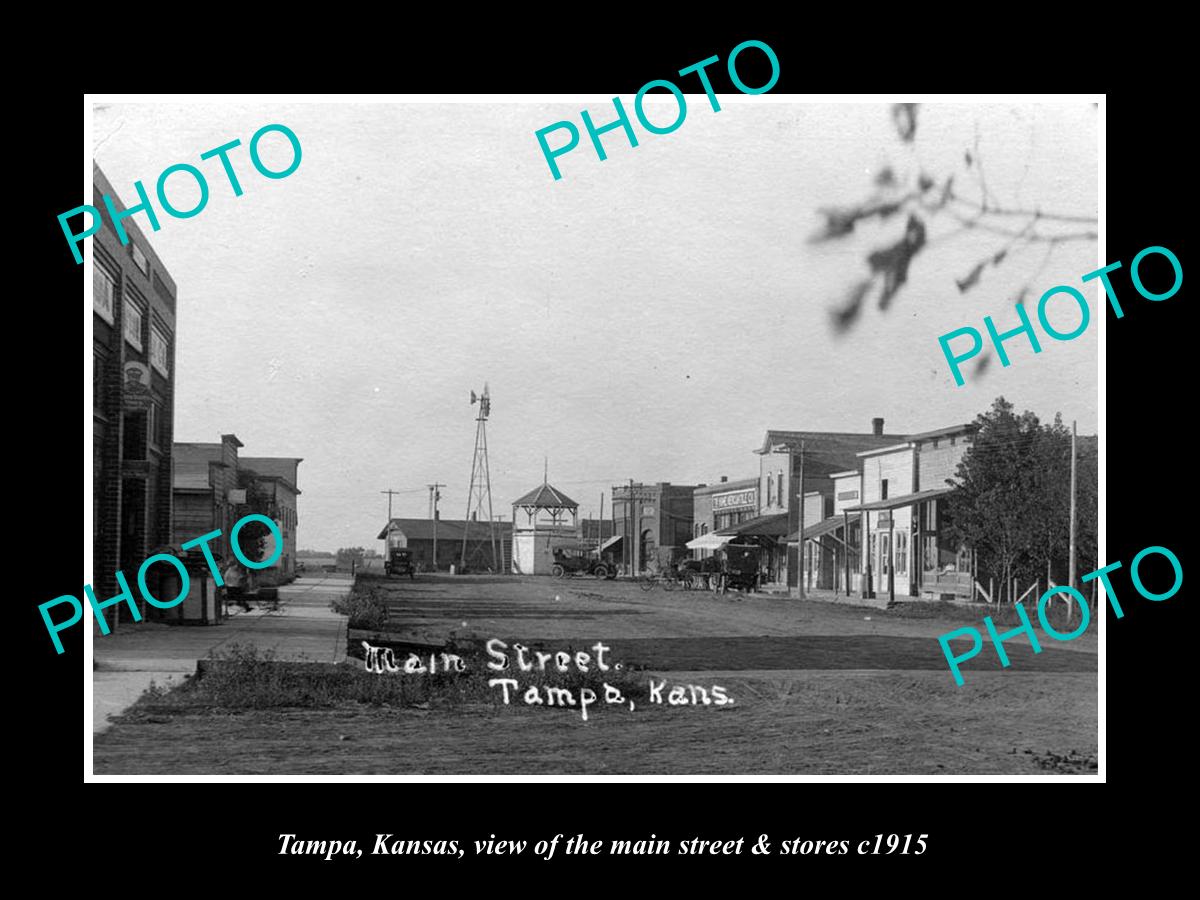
435 494
388 530
1071 558
800 561
629 517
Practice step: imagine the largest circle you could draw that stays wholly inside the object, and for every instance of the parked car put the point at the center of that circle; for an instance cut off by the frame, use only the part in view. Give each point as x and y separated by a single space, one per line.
580 562
399 562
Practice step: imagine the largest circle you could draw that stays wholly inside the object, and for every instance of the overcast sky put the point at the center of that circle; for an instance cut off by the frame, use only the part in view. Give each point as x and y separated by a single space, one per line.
646 317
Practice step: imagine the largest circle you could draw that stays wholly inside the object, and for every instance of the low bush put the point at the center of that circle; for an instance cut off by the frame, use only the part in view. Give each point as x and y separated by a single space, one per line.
363 606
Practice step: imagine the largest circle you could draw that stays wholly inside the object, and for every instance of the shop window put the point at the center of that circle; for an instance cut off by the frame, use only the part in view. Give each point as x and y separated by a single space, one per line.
159 351
133 325
104 290
139 258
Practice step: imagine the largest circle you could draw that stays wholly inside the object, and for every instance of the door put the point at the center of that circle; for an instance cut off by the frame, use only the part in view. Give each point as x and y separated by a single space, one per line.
882 561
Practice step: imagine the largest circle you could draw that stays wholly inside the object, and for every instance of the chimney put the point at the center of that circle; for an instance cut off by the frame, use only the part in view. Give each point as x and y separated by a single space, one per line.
877 426
724 478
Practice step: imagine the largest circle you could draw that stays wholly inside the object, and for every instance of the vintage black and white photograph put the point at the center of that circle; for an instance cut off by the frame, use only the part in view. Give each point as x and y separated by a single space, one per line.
533 436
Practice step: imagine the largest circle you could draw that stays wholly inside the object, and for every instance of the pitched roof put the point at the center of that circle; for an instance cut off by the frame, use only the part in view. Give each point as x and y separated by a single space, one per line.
546 496
447 529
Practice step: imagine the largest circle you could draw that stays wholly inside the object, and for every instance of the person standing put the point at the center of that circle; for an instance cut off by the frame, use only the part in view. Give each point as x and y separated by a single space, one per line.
235 585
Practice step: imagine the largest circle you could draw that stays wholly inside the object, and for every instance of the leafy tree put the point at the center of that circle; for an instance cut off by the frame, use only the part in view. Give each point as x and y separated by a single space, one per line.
997 491
346 555
1013 499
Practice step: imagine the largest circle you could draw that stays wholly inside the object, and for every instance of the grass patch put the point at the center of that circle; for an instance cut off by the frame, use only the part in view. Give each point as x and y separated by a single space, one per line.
363 605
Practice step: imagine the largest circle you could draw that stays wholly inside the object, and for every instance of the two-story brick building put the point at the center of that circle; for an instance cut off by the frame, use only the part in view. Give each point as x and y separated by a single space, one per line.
133 405
654 522
717 506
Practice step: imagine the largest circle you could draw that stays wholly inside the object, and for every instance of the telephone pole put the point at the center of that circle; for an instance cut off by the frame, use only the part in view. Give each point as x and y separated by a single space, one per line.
800 561
388 529
435 494
1071 557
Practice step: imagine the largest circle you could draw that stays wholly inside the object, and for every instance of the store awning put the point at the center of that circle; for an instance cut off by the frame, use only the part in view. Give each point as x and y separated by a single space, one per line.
902 500
712 541
812 532
762 526
611 542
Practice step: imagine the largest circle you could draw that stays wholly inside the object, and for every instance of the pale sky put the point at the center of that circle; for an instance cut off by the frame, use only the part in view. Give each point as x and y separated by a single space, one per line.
646 317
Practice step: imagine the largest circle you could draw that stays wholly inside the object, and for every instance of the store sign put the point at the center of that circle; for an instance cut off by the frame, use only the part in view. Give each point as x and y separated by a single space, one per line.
736 499
137 386
885 519
848 495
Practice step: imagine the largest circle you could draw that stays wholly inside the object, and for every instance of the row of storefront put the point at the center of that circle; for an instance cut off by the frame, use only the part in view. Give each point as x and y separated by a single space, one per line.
867 512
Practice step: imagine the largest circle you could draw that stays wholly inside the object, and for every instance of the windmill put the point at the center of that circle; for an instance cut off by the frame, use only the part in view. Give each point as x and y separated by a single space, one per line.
474 549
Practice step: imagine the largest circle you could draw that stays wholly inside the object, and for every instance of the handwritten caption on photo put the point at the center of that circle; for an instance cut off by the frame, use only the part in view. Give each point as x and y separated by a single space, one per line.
1085 614
661 692
578 845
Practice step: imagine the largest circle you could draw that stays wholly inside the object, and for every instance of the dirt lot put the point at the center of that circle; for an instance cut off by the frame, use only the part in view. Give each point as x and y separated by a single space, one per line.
818 688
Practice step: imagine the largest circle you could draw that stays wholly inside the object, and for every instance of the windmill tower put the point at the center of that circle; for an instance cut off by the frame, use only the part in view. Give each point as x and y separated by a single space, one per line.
474 548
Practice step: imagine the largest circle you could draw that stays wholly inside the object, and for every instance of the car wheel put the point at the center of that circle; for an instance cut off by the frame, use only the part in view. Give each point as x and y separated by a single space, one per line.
558 571
600 572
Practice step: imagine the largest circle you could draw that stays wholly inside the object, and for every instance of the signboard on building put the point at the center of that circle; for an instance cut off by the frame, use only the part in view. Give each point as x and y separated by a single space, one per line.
137 386
735 500
237 495
848 495
649 511
885 519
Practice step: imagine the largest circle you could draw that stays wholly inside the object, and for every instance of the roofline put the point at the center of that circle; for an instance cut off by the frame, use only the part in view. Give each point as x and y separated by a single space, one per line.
907 445
785 436
741 484
845 474
947 431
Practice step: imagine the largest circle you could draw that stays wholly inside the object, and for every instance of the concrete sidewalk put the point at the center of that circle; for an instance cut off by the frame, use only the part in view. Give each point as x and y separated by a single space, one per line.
304 627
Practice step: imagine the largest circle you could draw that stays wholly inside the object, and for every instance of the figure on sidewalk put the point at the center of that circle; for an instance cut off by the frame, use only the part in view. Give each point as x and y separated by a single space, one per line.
235 585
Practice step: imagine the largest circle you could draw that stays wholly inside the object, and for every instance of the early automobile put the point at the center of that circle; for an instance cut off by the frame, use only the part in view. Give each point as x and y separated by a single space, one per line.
399 562
572 561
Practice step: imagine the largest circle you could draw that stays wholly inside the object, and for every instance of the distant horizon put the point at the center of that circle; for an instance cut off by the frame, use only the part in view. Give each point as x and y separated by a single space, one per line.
651 316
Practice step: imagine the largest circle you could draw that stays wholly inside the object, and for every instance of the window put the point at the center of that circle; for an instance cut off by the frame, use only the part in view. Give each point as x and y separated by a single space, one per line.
133 324
152 422
134 437
935 443
139 258
883 489
953 440
159 348
901 552
770 490
103 290
779 489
